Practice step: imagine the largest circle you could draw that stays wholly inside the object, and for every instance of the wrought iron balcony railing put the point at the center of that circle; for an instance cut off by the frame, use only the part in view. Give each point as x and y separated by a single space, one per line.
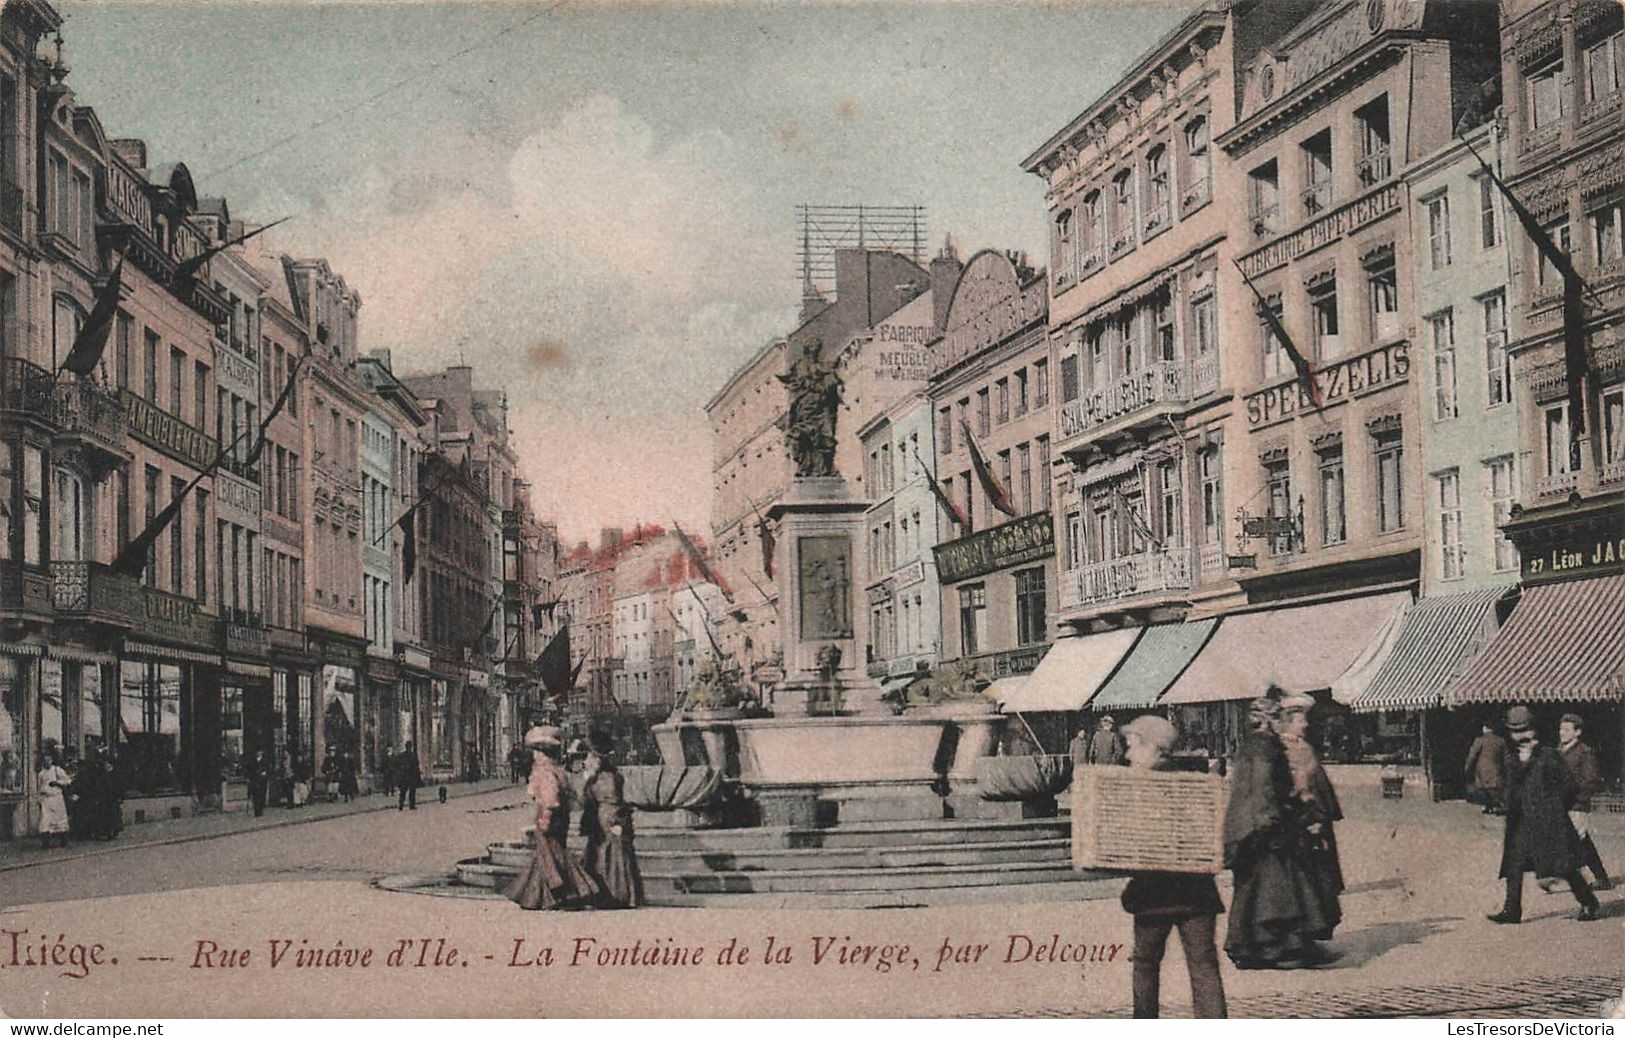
1160 569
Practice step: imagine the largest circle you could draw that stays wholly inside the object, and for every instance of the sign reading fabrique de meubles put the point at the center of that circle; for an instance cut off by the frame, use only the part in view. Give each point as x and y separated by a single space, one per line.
1017 541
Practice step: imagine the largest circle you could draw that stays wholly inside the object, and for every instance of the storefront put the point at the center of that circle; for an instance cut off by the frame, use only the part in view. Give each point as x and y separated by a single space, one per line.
1068 676
382 736
19 746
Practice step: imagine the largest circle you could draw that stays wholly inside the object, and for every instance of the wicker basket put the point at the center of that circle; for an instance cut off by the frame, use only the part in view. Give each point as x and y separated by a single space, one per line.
1135 819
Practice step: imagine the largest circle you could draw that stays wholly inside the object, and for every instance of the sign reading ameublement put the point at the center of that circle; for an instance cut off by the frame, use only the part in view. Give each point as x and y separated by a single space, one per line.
1017 541
825 564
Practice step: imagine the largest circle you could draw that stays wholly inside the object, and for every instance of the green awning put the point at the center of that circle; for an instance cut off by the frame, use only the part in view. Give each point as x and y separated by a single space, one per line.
1161 654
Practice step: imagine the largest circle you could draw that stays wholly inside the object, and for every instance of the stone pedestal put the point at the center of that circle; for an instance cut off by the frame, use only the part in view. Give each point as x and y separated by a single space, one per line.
822 571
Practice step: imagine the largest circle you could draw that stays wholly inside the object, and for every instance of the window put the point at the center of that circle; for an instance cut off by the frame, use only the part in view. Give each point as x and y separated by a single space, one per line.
1264 198
945 430
1605 67
177 556
1003 386
1546 274
1212 498
1064 244
983 413
1069 378
1546 96
1323 310
1031 627
1497 359
972 619
1278 482
1382 295
1097 360
200 533
1043 473
1025 465
1390 481
969 499
1503 481
151 574
1122 209
200 395
1276 361
1041 381
1317 172
151 372
1205 325
1156 170
1376 163
1076 553
1438 209
1197 174
66 320
68 514
1442 332
1333 515
1021 392
1092 233
1448 487
1127 339
1605 224
1165 345
177 374
1170 512
1005 471
1613 431
122 350
1489 213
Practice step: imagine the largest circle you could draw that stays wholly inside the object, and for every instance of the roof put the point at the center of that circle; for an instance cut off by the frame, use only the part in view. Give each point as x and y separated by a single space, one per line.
1302 648
1159 657
1564 642
1436 642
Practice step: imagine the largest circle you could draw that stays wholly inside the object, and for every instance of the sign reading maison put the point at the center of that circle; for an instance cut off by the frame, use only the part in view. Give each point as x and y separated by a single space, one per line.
1017 541
1328 228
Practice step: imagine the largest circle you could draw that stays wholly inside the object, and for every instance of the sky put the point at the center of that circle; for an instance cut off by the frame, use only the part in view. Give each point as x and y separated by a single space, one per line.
593 204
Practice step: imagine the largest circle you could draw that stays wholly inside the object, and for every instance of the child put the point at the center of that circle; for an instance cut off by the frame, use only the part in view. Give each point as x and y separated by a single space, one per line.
1161 901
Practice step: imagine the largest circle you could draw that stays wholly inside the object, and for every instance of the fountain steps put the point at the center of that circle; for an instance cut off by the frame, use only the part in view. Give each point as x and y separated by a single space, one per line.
850 834
700 859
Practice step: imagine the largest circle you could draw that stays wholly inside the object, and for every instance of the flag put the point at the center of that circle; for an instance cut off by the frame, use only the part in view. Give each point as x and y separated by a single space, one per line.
553 665
91 342
1576 363
765 532
489 620
699 561
281 402
995 491
1134 518
946 502
409 546
541 609
1304 367
188 269
133 558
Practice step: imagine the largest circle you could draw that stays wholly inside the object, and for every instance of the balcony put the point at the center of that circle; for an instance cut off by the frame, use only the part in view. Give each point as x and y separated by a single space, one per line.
26 387
1150 572
1374 167
1205 374
1602 106
1557 484
1162 383
92 592
1211 562
1612 472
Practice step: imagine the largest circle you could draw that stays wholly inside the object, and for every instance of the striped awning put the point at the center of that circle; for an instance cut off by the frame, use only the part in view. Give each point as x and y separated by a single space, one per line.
1071 672
164 652
1565 642
1162 652
74 654
1438 639
21 649
1302 648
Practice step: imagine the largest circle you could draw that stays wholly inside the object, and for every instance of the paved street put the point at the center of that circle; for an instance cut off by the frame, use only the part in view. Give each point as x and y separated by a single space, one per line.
1414 941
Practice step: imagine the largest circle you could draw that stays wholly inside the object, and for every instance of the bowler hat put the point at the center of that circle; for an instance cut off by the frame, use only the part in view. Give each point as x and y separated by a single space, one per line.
1519 719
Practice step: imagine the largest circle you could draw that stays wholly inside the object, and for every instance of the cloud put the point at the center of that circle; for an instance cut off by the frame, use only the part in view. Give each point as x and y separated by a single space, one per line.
609 287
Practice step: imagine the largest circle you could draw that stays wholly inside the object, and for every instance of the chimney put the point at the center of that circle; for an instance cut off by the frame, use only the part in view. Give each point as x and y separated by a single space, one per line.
945 271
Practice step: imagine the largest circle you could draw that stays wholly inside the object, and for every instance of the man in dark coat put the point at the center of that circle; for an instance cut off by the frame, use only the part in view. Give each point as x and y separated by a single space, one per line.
1539 836
1277 910
408 777
1105 745
1581 761
1486 770
259 781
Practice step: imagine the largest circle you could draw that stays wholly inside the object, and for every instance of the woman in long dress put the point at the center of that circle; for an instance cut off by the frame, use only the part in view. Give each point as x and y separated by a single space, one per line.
1317 809
606 822
53 801
551 879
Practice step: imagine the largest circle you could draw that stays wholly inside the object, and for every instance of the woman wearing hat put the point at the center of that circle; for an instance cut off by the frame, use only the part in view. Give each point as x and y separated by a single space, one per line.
1277 910
552 879
1317 807
606 822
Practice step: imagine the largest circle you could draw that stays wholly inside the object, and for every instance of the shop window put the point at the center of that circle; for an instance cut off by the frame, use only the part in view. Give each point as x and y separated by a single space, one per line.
1442 336
1031 625
1448 490
52 708
1497 358
92 718
150 725
1333 515
15 760
231 731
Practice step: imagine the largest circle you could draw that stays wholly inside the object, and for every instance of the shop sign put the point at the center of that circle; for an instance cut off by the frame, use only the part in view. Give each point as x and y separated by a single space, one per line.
129 198
1328 228
234 371
1583 552
1356 376
1018 541
881 592
237 499
1241 561
911 574
246 639
173 618
160 429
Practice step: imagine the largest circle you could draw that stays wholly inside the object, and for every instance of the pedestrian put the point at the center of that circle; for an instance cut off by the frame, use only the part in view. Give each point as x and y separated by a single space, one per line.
1486 770
1105 746
1539 836
606 822
348 786
1317 809
299 791
54 781
551 879
408 777
1581 761
386 770
1276 907
259 782
1163 901
92 787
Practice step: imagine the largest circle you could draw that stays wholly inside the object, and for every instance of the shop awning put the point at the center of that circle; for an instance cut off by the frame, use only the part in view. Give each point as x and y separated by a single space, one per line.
1006 687
248 670
74 654
1300 648
1162 652
1564 642
1071 672
1437 640
164 652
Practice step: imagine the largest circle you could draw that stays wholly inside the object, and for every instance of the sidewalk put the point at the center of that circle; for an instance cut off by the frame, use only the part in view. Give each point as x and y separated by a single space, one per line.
24 852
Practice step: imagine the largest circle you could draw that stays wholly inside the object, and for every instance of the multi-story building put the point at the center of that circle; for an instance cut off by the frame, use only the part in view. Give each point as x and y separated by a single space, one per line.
575 594
989 379
334 401
1140 261
1563 71
530 591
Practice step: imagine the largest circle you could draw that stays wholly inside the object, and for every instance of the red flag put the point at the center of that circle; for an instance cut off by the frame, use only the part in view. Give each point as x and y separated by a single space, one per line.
699 561
1304 367
943 500
995 491
765 533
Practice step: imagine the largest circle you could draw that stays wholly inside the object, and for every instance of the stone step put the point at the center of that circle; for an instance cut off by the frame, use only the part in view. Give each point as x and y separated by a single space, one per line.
698 859
1083 888
888 878
851 834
